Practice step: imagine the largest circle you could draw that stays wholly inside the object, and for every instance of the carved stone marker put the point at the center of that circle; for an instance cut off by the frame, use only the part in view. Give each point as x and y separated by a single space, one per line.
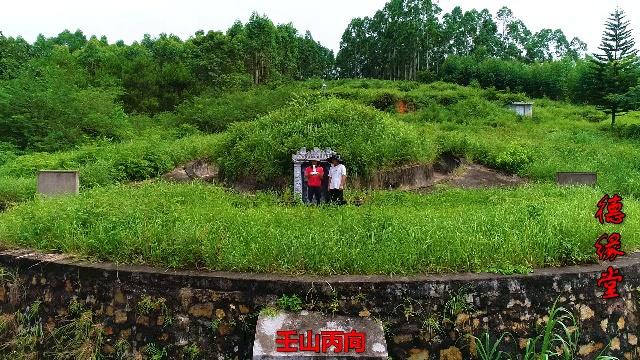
304 156
58 182
576 178
319 336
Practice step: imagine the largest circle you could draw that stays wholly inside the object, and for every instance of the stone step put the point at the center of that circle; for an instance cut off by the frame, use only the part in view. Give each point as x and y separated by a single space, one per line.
313 335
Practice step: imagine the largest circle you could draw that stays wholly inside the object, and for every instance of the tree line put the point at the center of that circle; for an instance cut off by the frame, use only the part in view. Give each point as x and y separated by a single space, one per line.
156 74
405 40
411 40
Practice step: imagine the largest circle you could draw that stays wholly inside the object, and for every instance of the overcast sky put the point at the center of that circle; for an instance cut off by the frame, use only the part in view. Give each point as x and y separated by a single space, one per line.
326 19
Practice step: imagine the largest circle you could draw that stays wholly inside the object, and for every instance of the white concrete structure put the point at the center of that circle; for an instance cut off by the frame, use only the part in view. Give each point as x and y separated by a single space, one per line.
522 108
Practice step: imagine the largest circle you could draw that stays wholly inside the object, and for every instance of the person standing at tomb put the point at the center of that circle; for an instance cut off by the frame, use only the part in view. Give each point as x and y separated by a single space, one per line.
313 176
337 180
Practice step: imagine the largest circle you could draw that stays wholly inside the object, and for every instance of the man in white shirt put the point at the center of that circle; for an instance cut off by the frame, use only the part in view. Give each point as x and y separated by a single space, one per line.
337 180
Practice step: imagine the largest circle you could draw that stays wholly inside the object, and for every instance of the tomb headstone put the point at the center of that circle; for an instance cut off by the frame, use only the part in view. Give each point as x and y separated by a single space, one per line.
58 182
300 160
576 178
313 335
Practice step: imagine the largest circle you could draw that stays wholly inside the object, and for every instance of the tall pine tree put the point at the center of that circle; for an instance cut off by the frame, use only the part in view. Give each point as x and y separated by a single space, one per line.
615 70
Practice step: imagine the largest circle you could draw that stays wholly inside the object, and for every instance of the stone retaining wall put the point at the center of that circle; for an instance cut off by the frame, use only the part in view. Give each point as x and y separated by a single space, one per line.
424 317
408 177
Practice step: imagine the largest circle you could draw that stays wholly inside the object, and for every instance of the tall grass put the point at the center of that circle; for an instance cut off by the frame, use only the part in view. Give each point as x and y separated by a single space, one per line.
555 139
214 112
16 189
393 233
106 164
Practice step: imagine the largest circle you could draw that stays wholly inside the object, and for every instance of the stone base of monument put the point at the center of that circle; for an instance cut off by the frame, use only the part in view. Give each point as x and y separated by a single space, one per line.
312 335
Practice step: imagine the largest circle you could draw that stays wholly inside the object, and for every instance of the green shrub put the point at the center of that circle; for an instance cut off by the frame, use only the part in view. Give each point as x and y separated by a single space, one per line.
441 93
290 303
503 97
8 152
385 101
214 112
50 107
13 190
630 131
105 164
365 138
514 158
474 108
434 113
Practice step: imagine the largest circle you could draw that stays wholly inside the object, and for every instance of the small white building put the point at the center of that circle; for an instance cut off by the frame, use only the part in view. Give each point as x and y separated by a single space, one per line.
522 108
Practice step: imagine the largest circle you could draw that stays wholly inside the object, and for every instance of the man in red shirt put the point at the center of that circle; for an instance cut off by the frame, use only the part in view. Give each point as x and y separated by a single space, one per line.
313 175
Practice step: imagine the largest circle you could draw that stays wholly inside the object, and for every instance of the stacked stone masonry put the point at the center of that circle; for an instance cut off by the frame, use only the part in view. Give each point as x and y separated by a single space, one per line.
424 317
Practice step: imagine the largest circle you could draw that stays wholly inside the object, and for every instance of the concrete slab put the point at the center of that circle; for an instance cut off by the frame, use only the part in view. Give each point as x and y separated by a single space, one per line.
312 335
576 178
58 182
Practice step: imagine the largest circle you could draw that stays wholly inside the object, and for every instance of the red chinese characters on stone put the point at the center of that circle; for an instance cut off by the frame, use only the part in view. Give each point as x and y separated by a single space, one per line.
336 341
613 207
307 343
609 250
286 341
356 341
609 280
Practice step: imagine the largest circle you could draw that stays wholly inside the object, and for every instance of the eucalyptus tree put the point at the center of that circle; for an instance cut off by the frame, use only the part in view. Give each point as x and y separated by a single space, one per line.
260 47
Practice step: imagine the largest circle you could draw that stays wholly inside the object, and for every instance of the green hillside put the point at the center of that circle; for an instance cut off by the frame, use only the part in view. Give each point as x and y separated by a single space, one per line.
253 133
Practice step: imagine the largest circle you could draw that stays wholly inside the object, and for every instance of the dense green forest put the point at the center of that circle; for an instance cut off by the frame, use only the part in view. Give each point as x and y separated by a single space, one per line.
413 40
156 74
99 84
409 40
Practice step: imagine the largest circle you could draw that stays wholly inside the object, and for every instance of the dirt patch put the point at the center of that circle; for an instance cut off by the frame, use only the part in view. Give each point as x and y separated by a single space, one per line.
408 177
403 107
448 169
200 169
470 176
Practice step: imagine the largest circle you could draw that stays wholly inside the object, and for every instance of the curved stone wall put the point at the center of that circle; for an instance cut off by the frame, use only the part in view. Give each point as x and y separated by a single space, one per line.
424 317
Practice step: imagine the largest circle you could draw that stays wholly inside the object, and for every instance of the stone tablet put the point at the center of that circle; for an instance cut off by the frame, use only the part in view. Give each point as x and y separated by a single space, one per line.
58 182
304 156
576 178
313 335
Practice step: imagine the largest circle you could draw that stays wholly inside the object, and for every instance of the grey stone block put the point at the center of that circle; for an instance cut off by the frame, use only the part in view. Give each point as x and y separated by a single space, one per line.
265 345
58 182
576 178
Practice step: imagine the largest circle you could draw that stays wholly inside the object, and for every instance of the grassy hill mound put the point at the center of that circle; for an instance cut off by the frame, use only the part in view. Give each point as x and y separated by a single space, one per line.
366 139
253 134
